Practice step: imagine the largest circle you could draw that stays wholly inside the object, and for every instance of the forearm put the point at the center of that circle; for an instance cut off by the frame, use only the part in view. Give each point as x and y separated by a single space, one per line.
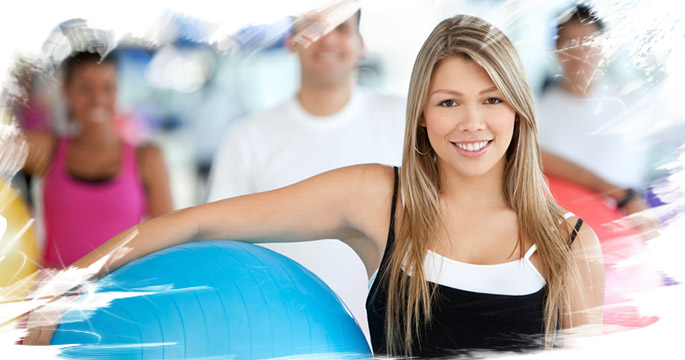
318 208
562 168
49 300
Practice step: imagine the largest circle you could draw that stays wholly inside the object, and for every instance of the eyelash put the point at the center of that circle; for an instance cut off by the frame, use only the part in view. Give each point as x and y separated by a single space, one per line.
493 98
487 101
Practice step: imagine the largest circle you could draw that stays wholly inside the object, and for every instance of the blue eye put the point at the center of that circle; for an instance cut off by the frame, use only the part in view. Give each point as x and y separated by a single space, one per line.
448 103
493 101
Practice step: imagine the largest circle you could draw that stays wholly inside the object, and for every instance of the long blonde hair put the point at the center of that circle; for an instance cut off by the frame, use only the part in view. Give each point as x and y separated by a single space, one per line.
409 297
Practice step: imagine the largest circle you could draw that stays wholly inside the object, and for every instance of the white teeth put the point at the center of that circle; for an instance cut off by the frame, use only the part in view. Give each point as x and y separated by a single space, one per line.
472 146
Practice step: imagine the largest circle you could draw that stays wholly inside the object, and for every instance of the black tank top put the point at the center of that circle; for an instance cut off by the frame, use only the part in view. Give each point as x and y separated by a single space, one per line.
462 321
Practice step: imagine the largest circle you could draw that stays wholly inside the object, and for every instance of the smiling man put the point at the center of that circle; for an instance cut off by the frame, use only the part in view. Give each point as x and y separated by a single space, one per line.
329 123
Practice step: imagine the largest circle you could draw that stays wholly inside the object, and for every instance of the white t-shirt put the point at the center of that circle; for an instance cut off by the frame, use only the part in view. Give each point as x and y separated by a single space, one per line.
593 132
286 145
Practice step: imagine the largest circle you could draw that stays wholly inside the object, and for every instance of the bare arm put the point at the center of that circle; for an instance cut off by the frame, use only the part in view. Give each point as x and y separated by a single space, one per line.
560 167
156 181
587 304
343 204
351 204
570 171
40 151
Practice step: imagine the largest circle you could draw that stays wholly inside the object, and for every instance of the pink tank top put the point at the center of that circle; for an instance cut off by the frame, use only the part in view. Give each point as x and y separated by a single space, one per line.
81 215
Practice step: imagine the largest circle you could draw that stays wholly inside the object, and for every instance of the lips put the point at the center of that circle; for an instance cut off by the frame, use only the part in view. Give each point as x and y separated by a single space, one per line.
472 148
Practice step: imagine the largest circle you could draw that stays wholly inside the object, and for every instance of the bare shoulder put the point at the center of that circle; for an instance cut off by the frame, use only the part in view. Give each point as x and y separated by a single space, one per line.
585 239
40 136
370 181
149 151
374 174
365 195
41 141
150 160
155 179
362 192
41 147
151 163
586 302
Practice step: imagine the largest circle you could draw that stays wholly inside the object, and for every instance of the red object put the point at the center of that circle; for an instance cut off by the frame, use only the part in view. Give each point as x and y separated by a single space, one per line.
624 272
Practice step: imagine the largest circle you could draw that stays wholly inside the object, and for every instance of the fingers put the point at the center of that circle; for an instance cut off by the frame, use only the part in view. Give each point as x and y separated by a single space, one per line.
42 324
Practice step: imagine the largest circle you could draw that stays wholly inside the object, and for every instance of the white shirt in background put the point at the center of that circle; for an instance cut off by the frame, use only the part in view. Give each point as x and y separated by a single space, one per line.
594 132
286 145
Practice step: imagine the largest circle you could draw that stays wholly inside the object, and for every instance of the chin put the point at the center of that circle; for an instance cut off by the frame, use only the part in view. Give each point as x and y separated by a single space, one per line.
478 170
470 171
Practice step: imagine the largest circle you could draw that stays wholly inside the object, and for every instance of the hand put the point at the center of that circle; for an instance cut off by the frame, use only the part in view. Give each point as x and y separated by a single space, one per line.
636 211
41 325
635 205
49 300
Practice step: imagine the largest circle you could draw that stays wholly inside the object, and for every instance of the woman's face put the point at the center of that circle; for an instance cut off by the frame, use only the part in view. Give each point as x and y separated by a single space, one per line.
92 91
468 121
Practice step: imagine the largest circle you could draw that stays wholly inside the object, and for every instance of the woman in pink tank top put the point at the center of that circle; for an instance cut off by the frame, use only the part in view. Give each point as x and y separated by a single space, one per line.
95 184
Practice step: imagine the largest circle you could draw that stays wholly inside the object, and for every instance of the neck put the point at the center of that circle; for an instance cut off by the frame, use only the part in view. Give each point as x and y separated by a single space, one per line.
324 100
97 135
474 194
580 88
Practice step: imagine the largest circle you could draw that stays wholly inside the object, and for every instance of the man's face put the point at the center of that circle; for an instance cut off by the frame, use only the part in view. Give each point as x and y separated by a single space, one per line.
330 59
578 51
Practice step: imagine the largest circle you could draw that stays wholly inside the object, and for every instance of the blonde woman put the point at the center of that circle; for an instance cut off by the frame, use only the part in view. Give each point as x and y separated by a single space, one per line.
469 251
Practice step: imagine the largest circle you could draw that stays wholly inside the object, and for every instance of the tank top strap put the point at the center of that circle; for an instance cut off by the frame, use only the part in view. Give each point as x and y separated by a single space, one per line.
393 207
574 233
576 228
530 252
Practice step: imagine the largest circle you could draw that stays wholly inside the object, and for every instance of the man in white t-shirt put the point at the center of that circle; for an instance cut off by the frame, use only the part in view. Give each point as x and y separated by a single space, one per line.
581 128
329 123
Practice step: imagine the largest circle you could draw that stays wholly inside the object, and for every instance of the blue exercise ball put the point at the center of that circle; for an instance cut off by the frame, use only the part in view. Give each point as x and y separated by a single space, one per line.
212 299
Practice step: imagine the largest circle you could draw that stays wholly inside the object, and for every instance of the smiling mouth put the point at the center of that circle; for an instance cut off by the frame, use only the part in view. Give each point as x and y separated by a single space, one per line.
472 146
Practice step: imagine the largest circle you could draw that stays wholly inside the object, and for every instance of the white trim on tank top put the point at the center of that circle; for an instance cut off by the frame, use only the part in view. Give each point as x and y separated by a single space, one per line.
518 277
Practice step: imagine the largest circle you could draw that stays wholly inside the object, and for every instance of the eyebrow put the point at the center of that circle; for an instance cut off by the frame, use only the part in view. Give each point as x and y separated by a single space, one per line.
454 92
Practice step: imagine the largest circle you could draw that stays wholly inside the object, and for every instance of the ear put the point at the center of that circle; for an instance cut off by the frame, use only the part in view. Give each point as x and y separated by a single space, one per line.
422 120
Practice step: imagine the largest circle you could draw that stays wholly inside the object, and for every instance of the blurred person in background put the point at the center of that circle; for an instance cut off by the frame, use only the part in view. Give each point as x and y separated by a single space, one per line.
577 114
95 184
329 123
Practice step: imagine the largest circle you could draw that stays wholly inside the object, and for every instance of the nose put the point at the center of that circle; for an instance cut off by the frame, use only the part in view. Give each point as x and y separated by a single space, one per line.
471 120
101 97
